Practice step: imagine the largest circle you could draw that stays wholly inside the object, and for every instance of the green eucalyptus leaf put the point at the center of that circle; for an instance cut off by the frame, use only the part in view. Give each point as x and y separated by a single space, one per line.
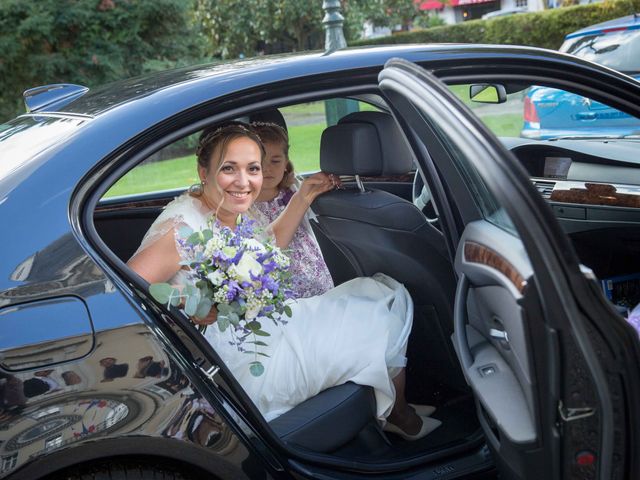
234 318
191 305
160 291
254 325
195 238
207 235
224 309
261 333
259 343
190 290
256 369
204 307
175 297
223 322
287 311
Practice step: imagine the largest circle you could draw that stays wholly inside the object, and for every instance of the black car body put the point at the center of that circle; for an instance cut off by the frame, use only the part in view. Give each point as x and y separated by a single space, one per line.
97 377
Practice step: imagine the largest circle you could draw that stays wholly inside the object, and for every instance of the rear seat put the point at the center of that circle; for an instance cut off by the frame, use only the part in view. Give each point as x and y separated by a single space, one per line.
329 420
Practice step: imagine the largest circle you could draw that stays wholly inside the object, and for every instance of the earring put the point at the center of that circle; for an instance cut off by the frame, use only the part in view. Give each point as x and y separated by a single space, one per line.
197 189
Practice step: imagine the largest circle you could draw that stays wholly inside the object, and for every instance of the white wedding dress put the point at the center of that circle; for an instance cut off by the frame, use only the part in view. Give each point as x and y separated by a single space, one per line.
356 332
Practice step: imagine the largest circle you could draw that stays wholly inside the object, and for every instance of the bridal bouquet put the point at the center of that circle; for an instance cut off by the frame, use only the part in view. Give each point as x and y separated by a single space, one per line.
245 279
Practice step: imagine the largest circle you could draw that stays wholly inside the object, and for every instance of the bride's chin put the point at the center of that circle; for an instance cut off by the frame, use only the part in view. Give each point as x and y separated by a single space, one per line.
238 209
240 204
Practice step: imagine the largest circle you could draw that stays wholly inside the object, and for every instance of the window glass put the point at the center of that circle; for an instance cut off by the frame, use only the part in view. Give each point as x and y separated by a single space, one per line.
545 113
615 49
174 166
491 210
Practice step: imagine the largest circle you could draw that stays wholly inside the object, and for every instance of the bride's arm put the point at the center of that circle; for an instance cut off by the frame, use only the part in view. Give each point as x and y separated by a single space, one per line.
159 262
285 226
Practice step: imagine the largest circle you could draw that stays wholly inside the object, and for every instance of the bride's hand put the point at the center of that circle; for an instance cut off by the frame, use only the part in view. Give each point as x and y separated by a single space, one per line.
317 184
209 319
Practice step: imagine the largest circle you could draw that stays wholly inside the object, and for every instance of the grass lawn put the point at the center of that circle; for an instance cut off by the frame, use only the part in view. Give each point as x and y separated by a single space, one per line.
305 146
506 125
164 175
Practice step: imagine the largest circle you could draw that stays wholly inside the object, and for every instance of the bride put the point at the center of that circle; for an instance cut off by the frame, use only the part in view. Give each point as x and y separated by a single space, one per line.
355 332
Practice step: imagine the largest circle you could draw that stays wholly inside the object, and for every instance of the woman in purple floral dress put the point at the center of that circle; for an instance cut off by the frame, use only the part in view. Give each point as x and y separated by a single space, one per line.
310 275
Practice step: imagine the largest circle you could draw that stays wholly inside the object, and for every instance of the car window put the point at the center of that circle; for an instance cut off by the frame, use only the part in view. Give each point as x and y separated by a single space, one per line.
618 49
170 168
491 210
545 113
173 167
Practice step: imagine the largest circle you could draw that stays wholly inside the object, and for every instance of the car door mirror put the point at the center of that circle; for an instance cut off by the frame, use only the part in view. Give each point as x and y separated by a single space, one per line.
487 93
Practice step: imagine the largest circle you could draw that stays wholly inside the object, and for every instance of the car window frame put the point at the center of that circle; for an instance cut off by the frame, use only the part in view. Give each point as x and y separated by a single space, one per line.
122 275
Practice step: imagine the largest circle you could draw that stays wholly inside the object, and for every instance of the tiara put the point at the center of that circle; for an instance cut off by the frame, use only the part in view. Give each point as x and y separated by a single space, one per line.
237 126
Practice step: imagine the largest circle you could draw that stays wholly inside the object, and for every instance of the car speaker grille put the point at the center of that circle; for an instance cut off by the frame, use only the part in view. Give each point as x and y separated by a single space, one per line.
545 188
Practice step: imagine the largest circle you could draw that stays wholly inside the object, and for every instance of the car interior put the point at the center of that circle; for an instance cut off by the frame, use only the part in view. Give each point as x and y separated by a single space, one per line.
383 221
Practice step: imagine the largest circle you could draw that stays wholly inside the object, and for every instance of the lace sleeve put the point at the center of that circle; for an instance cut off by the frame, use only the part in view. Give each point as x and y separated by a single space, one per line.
184 210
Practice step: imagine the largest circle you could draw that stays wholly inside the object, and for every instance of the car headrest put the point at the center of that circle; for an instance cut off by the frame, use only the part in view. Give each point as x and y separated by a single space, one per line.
351 149
365 143
272 115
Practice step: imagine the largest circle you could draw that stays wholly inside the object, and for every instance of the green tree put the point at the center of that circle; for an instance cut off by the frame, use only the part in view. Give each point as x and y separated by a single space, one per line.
382 13
245 27
90 42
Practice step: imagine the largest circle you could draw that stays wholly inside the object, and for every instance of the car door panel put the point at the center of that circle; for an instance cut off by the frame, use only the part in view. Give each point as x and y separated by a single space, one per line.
519 334
496 362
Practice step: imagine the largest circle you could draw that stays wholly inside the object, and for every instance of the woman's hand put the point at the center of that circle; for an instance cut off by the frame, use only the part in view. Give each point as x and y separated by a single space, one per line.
316 185
285 226
209 319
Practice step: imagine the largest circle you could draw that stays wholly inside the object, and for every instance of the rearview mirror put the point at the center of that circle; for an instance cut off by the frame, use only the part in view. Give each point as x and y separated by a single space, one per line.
487 93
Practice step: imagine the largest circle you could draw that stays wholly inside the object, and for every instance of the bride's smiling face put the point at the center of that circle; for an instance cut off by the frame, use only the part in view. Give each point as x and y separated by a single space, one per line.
234 184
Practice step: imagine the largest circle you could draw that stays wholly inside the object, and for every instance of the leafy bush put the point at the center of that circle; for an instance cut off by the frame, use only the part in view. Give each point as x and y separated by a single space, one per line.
428 21
545 29
89 42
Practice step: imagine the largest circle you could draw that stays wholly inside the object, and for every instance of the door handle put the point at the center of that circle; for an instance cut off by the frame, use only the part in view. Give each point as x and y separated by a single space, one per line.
586 116
498 334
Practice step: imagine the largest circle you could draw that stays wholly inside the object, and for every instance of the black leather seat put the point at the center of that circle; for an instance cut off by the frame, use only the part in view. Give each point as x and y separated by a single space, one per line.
381 232
329 420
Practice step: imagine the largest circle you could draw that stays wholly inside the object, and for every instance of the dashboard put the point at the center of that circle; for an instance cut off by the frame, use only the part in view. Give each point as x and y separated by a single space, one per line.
597 180
593 188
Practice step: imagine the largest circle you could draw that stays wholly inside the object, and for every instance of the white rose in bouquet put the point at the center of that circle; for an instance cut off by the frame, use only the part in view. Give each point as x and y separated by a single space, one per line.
246 266
254 245
216 278
229 251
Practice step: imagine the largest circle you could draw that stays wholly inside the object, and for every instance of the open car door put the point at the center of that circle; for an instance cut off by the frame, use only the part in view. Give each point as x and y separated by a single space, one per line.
553 368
